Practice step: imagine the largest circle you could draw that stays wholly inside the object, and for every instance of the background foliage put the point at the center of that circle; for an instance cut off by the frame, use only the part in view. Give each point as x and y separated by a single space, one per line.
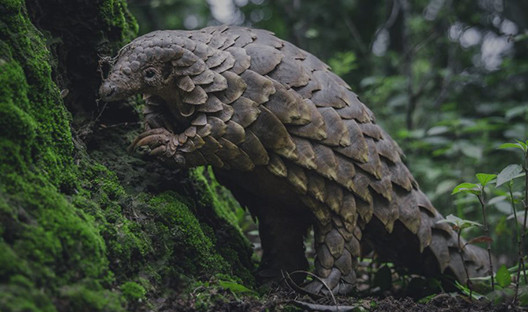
447 79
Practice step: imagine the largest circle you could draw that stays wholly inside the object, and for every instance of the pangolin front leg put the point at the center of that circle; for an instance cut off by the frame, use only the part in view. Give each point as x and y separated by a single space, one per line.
156 114
159 131
282 225
159 140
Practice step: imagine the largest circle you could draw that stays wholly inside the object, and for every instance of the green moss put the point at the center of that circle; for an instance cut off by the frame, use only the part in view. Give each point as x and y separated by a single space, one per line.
87 298
15 297
215 195
47 244
170 231
193 250
133 291
115 15
237 249
31 99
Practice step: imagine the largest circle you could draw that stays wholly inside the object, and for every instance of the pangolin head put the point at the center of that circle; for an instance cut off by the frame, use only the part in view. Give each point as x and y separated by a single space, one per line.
142 66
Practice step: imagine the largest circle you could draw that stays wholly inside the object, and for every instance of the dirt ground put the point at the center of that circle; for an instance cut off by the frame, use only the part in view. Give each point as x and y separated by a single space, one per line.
283 301
442 302
394 298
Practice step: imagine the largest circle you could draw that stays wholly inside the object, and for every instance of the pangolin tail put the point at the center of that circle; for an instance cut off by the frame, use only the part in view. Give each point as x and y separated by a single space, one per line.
433 250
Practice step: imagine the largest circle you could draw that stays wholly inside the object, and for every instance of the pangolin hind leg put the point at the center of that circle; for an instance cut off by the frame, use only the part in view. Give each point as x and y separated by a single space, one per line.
283 225
336 260
282 238
283 222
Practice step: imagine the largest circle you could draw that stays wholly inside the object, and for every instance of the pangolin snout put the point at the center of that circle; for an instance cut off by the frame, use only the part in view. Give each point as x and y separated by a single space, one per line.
107 90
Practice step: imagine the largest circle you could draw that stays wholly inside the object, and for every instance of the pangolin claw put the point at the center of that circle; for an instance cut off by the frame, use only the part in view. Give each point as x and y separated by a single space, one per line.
158 150
153 138
153 141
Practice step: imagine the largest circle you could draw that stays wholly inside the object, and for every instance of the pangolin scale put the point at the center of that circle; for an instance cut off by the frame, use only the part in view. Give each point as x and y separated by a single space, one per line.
293 143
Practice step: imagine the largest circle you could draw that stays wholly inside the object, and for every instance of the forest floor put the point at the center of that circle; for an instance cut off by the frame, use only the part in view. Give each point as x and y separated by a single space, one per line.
206 297
284 301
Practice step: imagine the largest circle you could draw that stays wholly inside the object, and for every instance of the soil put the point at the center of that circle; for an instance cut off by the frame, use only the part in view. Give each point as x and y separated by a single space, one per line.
289 301
442 302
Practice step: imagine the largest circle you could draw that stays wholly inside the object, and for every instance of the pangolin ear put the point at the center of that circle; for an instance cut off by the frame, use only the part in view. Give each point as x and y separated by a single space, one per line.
166 71
169 56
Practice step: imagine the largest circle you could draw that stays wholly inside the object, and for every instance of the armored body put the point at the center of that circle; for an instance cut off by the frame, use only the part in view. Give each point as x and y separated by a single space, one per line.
293 143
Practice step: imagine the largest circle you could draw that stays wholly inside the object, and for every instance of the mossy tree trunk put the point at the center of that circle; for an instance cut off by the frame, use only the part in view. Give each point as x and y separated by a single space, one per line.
83 225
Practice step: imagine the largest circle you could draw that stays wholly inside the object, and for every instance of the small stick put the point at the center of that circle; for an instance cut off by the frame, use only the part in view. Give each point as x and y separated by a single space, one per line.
486 229
468 281
314 276
306 306
523 238
519 244
122 124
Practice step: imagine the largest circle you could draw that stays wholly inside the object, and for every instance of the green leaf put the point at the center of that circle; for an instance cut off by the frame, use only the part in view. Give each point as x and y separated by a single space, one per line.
235 287
503 227
500 295
451 219
466 291
485 178
311 33
343 62
497 199
523 144
509 173
459 223
466 188
509 145
520 145
472 151
523 296
503 276
425 300
437 130
520 37
520 216
516 111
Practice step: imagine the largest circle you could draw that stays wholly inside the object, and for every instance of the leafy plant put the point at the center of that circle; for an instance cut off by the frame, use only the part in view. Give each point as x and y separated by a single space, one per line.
235 288
343 62
503 277
459 225
479 191
508 175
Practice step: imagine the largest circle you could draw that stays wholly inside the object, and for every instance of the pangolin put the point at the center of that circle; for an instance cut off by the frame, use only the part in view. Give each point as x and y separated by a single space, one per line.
294 144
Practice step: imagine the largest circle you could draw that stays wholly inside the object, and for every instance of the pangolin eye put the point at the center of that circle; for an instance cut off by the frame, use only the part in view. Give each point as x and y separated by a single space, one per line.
150 73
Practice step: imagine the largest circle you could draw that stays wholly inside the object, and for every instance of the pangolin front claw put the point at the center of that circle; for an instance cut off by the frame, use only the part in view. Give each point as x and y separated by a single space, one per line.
160 150
153 138
153 141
